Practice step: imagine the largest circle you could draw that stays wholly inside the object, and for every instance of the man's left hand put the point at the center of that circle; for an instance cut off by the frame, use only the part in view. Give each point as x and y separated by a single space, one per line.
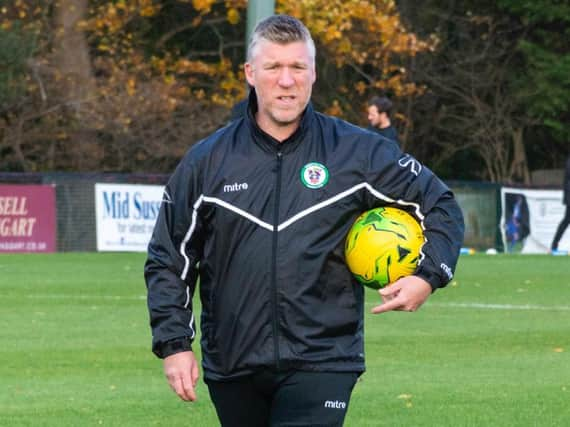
406 294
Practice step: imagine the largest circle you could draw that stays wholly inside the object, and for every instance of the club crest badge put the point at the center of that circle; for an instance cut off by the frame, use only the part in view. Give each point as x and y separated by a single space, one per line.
314 175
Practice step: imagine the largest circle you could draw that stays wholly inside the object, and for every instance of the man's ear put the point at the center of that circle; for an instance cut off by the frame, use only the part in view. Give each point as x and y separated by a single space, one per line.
248 69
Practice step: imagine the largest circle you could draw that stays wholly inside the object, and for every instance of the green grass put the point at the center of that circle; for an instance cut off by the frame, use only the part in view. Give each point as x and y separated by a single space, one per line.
492 349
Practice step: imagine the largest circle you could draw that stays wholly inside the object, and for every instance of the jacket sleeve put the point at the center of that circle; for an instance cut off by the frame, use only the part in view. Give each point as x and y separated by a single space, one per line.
400 180
171 268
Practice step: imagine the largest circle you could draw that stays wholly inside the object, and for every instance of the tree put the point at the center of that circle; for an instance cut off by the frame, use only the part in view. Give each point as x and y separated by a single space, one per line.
129 85
19 41
482 115
71 51
544 87
477 108
111 88
363 45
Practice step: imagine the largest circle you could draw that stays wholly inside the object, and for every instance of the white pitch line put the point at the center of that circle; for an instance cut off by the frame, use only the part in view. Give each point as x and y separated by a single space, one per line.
482 306
80 297
477 305
468 305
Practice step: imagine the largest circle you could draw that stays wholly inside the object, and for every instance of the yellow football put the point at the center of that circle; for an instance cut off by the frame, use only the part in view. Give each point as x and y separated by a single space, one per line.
383 245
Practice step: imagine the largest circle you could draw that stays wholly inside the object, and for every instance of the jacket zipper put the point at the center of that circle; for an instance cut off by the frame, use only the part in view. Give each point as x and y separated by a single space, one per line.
274 263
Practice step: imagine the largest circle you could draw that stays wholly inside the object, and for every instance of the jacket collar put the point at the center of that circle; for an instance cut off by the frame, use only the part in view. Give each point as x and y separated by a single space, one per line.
266 141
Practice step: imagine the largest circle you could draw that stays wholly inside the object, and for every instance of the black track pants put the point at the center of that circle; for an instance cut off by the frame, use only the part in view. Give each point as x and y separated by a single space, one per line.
283 399
561 228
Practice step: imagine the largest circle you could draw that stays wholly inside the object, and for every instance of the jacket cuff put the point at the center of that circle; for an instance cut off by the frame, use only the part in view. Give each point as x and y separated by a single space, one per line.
433 279
168 348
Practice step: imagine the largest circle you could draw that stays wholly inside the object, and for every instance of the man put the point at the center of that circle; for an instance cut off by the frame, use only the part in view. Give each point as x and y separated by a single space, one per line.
260 211
379 109
566 219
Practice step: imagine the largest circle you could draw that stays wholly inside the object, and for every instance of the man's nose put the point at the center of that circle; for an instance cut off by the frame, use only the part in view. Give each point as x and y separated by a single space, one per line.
286 77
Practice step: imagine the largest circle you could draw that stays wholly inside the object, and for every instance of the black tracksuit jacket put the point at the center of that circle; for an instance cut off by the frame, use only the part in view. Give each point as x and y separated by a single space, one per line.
269 249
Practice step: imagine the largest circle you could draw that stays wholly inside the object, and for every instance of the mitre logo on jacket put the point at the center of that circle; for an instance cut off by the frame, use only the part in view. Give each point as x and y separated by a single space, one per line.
231 188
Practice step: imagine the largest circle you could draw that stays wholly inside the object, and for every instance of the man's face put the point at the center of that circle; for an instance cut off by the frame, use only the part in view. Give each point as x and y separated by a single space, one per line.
374 116
283 77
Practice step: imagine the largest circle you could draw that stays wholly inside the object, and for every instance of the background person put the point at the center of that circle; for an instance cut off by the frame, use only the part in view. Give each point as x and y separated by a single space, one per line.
566 219
379 109
260 211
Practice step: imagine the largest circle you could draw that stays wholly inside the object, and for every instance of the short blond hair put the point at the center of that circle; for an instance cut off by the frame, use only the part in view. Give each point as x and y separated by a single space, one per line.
281 29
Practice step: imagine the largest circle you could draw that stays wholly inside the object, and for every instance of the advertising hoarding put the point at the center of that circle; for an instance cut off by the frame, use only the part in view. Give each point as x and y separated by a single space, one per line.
530 218
27 218
125 215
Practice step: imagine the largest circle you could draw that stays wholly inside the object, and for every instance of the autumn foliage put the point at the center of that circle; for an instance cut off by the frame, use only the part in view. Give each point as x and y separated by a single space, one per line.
129 85
365 41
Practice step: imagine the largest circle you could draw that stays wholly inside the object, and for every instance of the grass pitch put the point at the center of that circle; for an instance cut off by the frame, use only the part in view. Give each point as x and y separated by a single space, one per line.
492 349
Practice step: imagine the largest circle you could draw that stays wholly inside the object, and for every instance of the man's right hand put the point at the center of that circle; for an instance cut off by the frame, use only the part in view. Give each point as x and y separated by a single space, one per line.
181 370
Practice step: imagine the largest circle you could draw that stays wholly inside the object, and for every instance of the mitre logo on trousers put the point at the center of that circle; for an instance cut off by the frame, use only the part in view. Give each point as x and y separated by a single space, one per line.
314 175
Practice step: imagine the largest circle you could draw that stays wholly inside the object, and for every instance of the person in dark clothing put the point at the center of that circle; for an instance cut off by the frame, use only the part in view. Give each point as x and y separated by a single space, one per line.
566 219
259 211
379 109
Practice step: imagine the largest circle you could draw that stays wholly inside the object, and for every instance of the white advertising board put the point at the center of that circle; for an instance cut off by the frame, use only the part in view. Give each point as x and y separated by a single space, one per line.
125 215
542 211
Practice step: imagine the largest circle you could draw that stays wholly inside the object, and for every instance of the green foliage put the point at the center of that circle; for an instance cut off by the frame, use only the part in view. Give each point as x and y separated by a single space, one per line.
464 76
496 107
489 350
539 11
544 84
16 47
